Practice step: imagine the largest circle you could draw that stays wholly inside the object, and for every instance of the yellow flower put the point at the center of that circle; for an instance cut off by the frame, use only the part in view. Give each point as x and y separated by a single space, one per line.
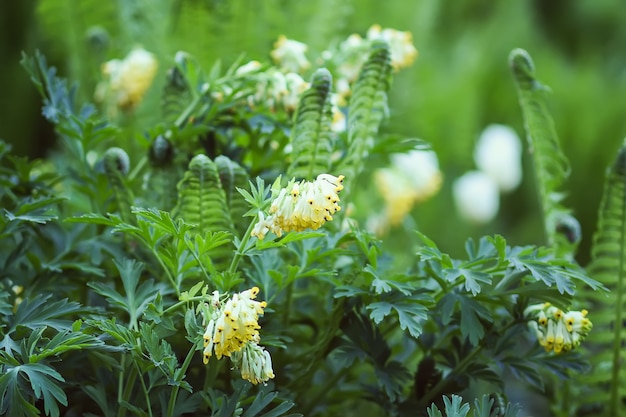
403 53
557 330
289 55
301 205
233 325
127 80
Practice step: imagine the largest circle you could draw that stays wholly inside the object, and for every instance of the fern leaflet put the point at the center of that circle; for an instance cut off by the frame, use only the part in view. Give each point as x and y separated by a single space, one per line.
608 266
312 135
201 199
367 108
551 165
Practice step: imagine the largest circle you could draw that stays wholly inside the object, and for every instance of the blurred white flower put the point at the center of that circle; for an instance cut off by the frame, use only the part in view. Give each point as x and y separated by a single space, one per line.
248 68
412 177
403 53
476 197
295 87
339 123
127 80
498 154
289 55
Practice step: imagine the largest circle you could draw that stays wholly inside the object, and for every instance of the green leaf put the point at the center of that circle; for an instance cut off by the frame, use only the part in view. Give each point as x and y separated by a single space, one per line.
367 109
608 266
43 384
551 165
312 134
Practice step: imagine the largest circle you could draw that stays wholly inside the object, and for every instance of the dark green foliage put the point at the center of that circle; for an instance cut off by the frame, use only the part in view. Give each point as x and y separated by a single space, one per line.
116 165
312 136
551 165
608 265
164 173
367 109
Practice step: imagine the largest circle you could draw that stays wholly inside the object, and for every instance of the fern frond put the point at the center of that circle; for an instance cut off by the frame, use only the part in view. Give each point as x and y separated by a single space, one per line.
161 180
608 266
116 164
551 165
233 176
367 109
312 135
201 199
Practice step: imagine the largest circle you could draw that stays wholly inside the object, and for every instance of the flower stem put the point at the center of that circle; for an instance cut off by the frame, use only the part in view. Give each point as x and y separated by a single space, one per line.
242 247
180 375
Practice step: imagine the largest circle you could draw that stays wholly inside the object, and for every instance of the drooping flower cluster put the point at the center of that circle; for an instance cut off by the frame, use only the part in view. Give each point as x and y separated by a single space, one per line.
556 330
232 330
127 80
301 205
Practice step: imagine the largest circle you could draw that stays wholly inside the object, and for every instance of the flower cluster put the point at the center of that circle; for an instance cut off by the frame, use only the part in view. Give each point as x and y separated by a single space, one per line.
290 55
232 330
413 177
301 205
127 80
403 53
233 324
557 330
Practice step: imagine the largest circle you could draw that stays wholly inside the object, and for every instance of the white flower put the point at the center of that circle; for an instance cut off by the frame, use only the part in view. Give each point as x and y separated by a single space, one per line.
421 168
498 154
301 205
476 197
128 79
295 86
254 362
556 330
289 55
403 53
233 325
250 67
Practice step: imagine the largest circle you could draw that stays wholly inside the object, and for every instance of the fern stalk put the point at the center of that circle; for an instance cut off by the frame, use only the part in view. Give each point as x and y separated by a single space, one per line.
367 109
608 266
311 137
551 165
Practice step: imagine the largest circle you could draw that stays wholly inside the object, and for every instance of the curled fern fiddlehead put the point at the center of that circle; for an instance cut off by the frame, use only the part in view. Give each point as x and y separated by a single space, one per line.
608 266
117 164
312 135
367 108
161 180
233 176
551 165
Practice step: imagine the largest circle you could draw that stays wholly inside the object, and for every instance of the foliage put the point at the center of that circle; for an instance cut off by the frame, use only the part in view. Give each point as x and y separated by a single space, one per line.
152 232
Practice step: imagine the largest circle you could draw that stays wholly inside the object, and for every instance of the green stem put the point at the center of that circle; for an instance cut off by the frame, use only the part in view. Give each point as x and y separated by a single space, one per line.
145 390
241 248
137 169
180 375
328 386
166 269
127 381
184 302
212 269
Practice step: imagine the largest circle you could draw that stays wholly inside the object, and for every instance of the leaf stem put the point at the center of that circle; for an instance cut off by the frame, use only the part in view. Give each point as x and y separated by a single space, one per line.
180 375
242 247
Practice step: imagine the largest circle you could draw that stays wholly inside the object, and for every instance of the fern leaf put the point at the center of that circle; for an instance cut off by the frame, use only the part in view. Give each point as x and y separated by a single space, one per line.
161 180
367 108
201 199
551 165
312 134
608 266
116 164
233 176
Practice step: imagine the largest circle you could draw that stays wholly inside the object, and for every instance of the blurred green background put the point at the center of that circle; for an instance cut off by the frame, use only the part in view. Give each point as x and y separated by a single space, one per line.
459 84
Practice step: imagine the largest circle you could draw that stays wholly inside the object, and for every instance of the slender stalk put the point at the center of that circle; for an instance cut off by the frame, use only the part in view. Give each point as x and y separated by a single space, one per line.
180 376
145 390
242 247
